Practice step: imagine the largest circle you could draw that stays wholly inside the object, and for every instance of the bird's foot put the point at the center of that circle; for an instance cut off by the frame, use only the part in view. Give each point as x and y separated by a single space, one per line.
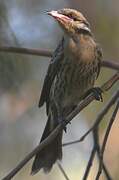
97 92
63 122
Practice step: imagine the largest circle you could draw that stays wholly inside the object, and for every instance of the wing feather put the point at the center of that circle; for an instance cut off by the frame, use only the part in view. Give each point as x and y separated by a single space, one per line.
51 73
99 56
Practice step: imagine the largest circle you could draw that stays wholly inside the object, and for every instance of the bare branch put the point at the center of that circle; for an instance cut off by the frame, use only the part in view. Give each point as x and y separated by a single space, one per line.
48 53
91 159
98 119
97 146
27 51
54 133
89 163
105 139
62 170
110 64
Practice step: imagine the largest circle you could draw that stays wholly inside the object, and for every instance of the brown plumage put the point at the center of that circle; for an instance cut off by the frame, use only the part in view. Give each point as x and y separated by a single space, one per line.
73 69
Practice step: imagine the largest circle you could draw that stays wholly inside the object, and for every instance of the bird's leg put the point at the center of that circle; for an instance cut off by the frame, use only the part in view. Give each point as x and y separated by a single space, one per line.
61 119
97 92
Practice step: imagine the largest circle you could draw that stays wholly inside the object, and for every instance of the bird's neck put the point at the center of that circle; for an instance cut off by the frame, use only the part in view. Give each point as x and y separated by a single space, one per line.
79 38
76 37
83 49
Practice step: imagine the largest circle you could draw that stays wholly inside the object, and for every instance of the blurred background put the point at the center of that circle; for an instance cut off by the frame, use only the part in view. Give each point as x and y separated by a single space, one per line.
23 23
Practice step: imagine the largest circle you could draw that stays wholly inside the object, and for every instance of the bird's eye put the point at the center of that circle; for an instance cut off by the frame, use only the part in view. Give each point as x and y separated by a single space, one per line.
72 17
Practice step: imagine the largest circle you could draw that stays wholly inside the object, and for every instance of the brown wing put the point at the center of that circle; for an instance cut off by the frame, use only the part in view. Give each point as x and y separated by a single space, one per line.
99 58
51 73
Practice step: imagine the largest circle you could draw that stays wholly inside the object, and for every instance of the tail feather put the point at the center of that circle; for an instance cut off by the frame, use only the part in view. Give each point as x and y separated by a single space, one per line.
48 156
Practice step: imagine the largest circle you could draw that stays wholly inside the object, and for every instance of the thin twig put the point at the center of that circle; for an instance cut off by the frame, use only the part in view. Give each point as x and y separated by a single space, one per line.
97 146
54 133
96 143
89 163
62 170
48 53
109 126
105 139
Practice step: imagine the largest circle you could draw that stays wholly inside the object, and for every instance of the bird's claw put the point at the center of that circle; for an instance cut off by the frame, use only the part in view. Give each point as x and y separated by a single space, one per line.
97 92
64 123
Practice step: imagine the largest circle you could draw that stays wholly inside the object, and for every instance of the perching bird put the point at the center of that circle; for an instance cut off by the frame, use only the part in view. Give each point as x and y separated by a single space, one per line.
73 69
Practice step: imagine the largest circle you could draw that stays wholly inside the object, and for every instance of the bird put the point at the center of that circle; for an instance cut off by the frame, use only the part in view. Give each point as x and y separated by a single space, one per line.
73 69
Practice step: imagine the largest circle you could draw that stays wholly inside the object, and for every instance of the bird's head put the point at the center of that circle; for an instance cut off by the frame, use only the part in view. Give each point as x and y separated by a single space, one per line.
71 21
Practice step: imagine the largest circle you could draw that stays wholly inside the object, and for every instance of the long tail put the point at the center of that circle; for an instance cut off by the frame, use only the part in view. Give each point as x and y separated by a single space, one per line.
48 156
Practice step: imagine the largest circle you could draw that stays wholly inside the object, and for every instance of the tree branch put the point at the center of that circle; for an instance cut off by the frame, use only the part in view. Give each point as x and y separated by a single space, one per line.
27 51
89 165
62 170
98 119
110 64
48 53
96 147
105 139
53 134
